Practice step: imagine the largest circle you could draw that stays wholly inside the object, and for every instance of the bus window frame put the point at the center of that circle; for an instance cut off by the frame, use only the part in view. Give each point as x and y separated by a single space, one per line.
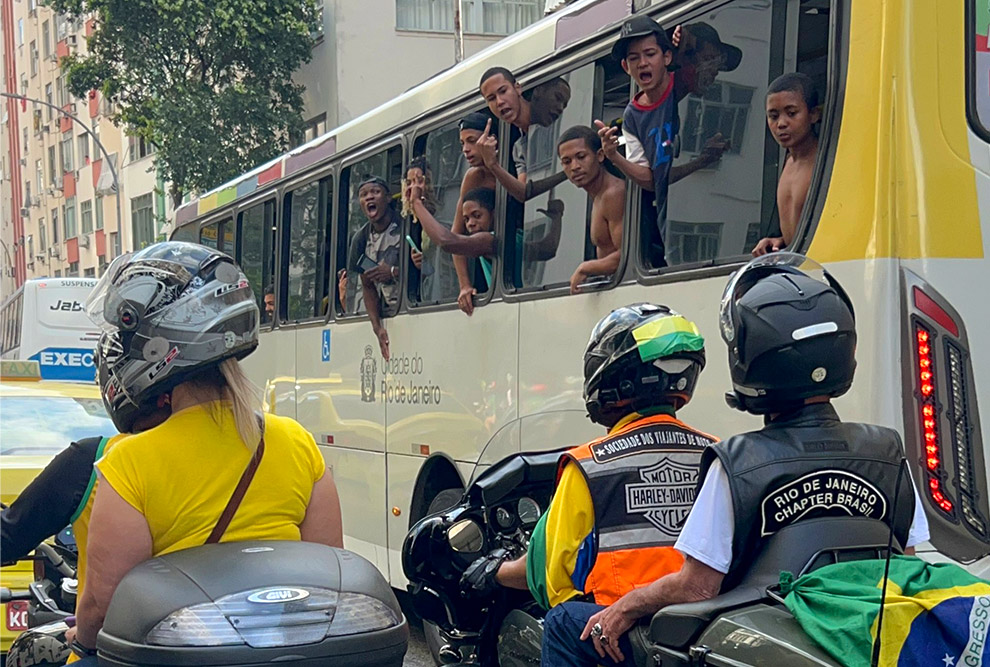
327 172
590 54
268 197
220 219
414 134
399 139
972 112
832 101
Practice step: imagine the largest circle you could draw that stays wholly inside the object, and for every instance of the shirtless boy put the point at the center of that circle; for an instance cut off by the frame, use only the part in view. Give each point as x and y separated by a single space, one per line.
581 155
792 111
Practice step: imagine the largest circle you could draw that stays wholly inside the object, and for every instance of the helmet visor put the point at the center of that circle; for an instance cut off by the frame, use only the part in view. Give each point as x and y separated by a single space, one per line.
742 280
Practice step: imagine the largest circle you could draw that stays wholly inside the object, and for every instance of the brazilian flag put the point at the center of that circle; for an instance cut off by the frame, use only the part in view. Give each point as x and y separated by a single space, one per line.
936 615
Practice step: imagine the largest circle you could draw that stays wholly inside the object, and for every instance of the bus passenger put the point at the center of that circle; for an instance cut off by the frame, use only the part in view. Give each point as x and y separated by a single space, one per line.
792 111
478 221
269 315
649 122
418 171
472 127
504 97
374 254
581 155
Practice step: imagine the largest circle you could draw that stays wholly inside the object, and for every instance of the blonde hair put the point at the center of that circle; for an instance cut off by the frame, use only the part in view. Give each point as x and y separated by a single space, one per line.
245 399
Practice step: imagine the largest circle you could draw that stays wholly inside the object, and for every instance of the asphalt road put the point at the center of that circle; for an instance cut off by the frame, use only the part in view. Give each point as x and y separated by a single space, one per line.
417 655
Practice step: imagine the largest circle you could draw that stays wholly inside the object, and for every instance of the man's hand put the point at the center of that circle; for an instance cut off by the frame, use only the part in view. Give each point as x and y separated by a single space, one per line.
610 139
417 259
578 278
465 300
488 146
675 39
769 244
414 192
554 209
382 336
713 149
342 289
70 635
478 579
615 621
380 274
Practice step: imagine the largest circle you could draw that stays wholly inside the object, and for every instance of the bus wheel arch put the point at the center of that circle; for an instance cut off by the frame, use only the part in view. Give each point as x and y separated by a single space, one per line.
438 486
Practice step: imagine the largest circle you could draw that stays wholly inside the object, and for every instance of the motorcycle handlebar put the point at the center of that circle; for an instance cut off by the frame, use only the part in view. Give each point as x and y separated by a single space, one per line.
7 595
57 561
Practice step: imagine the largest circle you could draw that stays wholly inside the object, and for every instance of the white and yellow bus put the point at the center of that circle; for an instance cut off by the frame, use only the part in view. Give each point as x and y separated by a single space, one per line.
899 211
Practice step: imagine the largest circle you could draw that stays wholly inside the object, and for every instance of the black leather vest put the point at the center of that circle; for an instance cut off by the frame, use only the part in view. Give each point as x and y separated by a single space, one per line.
808 464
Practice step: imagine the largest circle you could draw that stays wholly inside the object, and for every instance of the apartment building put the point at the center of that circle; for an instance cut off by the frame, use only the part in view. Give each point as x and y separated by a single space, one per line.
60 202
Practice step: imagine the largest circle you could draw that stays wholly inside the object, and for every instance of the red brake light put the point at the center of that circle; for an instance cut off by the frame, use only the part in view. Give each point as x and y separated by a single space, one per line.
929 422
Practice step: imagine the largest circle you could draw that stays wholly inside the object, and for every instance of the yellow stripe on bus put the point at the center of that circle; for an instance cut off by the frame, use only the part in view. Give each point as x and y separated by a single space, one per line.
903 187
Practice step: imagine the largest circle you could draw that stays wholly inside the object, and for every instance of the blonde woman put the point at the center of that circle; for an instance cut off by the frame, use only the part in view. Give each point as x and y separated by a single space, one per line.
176 319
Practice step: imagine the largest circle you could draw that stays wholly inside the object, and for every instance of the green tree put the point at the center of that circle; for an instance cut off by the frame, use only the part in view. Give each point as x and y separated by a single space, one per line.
209 82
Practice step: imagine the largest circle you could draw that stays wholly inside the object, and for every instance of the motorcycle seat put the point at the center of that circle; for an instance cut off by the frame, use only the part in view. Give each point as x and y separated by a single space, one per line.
678 625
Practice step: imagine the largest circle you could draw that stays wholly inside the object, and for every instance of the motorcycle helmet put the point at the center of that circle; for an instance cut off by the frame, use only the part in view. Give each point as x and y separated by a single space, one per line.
791 334
167 312
639 356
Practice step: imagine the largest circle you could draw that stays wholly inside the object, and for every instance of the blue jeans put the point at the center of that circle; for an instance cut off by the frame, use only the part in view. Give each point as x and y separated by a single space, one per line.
562 645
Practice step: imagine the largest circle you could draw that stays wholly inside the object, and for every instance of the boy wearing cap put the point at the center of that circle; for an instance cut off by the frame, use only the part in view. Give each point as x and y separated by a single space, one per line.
649 122
374 254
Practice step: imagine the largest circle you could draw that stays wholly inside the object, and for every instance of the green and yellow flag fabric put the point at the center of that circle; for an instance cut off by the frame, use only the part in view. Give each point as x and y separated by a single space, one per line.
936 615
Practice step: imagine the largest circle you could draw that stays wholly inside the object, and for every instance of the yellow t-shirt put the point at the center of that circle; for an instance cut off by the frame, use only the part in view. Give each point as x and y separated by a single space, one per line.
80 527
181 474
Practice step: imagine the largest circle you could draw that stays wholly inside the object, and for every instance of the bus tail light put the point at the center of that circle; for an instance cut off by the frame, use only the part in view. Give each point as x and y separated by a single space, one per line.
942 423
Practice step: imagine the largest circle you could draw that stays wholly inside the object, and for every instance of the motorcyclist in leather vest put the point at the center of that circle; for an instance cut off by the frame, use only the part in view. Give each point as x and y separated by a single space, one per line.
791 337
620 500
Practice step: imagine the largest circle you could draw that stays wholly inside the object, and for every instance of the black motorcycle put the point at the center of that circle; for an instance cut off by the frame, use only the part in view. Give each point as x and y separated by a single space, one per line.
748 625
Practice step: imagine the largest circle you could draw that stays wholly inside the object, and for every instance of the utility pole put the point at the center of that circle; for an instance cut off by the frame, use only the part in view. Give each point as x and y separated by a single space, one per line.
458 31
96 140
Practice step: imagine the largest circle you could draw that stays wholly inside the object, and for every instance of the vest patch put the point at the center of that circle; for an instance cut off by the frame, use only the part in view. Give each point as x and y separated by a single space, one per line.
666 494
834 492
634 443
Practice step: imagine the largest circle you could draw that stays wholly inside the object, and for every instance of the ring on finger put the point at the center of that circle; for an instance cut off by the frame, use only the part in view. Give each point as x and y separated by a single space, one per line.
596 630
604 640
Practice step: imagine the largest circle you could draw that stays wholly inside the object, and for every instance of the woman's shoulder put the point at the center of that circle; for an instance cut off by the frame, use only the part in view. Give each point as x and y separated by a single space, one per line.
285 426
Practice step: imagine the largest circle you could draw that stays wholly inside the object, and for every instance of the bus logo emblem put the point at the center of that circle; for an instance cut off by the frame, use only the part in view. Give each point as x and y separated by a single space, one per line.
368 372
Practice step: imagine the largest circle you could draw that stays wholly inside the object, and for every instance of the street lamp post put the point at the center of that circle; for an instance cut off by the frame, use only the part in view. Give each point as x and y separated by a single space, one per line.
96 140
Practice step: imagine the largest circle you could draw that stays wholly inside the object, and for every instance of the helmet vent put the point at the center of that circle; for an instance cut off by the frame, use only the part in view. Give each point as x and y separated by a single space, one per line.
813 330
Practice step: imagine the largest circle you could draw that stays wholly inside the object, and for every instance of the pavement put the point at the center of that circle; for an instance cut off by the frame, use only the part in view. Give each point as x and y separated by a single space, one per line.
418 654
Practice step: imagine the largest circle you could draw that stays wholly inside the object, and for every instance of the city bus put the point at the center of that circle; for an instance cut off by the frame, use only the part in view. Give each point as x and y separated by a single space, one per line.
898 211
45 321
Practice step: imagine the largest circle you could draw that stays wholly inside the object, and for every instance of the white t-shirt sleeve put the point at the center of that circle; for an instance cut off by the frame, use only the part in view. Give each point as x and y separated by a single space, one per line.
708 531
634 149
918 532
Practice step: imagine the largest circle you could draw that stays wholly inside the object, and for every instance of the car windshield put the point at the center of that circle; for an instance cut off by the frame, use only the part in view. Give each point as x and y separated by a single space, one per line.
36 425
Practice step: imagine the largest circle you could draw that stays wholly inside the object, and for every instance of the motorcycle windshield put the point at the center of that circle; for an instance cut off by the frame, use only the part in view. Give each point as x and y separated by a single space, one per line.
540 432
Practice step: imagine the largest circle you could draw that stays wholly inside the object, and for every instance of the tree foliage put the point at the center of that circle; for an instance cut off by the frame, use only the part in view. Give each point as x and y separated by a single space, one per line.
209 82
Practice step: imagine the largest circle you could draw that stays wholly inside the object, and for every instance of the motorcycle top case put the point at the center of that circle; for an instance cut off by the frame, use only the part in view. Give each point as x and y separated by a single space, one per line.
254 603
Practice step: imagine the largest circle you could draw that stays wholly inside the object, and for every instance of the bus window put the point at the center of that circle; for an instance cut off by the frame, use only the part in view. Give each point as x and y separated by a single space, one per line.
257 253
362 240
438 282
185 233
305 216
979 68
227 234
555 236
209 235
723 178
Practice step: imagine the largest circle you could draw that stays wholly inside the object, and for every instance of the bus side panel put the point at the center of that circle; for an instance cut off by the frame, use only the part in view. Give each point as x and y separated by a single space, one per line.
451 384
273 368
338 372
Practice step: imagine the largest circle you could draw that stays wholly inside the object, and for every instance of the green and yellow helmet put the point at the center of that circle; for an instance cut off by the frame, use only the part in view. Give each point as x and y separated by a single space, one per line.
640 356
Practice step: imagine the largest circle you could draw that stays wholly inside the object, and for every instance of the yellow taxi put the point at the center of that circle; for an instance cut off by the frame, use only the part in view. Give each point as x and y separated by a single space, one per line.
38 419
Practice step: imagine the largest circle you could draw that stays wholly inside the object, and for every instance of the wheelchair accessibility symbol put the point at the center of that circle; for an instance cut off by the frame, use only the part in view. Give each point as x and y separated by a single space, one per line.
326 345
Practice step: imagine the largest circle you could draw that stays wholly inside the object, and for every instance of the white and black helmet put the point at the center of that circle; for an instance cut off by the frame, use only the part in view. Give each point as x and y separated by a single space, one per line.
167 312
791 334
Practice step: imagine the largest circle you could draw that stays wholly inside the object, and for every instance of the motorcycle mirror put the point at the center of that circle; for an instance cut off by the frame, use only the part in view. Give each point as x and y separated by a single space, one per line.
466 537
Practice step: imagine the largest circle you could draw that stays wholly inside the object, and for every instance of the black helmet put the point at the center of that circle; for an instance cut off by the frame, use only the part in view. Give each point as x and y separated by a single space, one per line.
791 333
167 312
639 356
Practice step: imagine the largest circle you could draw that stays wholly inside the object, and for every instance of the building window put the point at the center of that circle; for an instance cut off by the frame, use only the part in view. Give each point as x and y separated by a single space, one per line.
142 221
70 218
46 40
68 164
55 231
101 265
313 128
40 175
83 140
724 108
52 169
99 212
86 216
140 147
489 17
33 47
20 32
48 98
42 236
90 272
73 271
